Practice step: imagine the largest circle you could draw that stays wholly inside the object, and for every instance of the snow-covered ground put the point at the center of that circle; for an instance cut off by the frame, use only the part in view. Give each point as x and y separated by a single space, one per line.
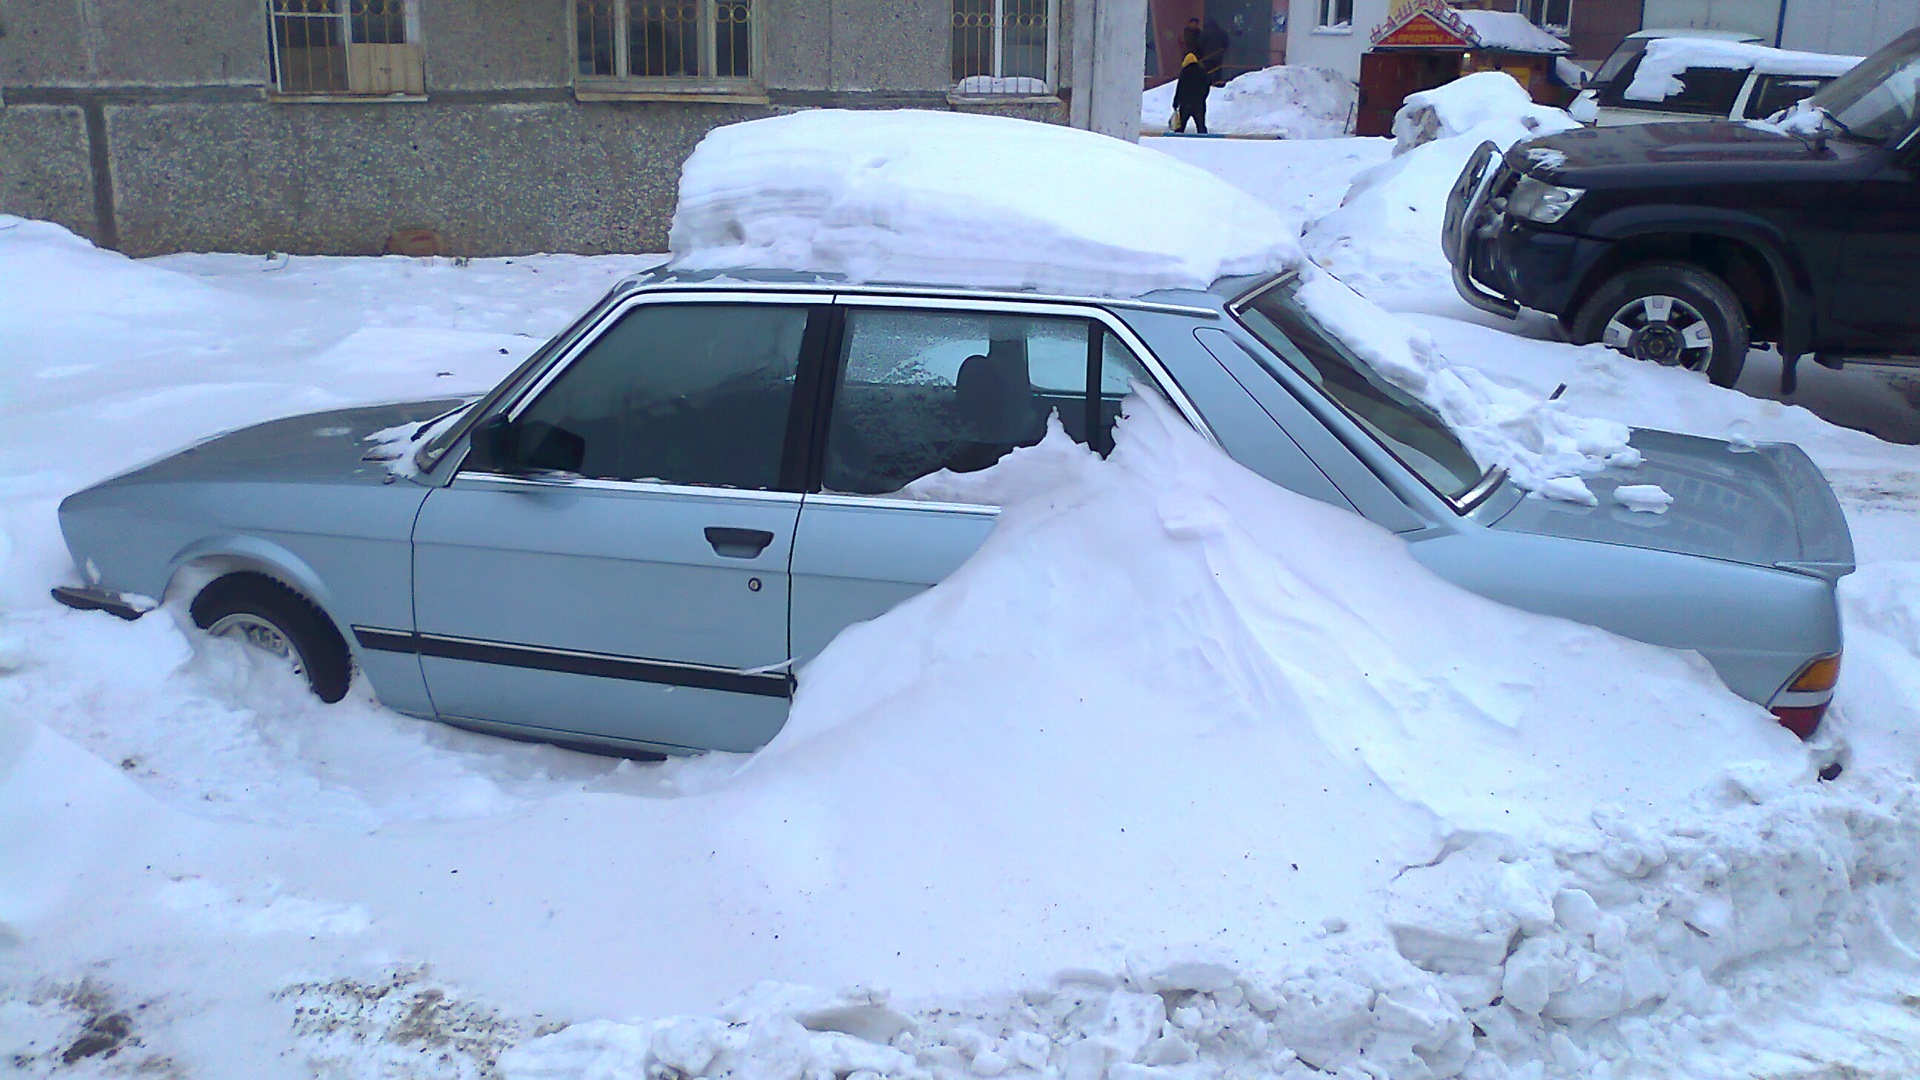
1287 102
1183 777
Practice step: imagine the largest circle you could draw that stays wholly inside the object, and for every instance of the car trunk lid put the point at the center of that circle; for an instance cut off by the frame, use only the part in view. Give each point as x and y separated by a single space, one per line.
1763 505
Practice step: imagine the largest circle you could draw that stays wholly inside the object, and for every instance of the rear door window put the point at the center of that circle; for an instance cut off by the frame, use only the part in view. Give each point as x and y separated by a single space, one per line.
923 391
1771 93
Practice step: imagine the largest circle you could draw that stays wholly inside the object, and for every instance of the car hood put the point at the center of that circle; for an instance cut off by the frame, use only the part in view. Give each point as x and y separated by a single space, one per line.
1765 505
328 446
1669 153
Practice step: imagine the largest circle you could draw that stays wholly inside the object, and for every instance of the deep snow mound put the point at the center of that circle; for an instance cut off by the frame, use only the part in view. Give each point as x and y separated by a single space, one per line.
1385 237
1466 103
954 198
1292 101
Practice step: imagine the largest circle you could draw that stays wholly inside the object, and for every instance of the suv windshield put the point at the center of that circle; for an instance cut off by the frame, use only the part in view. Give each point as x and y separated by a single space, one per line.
1615 67
1877 100
1405 425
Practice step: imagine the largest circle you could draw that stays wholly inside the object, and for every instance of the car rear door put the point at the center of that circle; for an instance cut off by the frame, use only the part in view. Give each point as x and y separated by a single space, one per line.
923 395
642 597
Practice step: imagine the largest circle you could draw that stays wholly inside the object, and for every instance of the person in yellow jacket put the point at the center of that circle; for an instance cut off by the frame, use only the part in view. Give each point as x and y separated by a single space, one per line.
1190 92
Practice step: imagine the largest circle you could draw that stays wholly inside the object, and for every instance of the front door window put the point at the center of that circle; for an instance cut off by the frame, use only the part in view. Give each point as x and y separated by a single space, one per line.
688 394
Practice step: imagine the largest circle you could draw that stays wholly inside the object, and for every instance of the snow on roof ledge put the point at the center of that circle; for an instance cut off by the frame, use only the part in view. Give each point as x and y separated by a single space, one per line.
964 199
1512 32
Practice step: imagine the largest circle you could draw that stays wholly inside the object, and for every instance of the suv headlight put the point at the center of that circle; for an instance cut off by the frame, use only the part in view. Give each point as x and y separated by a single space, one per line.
1537 200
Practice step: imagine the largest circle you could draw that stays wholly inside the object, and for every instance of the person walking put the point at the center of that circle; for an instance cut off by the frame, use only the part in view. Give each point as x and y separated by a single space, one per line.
1190 91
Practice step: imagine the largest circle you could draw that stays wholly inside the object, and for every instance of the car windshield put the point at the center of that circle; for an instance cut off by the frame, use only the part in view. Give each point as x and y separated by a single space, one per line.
1405 425
1617 62
1879 99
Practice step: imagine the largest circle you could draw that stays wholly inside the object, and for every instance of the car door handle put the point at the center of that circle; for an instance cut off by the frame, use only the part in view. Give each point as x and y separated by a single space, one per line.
738 543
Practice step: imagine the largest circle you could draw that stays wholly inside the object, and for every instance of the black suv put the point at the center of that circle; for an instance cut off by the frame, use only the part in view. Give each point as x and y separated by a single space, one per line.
1685 243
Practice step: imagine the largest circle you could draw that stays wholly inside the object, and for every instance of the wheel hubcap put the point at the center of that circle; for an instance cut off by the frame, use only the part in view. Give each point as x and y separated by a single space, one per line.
1664 329
257 633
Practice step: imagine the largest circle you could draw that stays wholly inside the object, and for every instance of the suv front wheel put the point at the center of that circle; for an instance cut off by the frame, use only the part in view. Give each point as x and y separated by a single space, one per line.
1669 313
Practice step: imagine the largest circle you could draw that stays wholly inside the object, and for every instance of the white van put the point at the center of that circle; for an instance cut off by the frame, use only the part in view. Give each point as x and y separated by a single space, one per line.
1664 75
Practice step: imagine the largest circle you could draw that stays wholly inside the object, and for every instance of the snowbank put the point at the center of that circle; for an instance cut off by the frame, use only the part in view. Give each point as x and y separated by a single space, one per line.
1658 76
938 197
1290 101
1466 103
1385 237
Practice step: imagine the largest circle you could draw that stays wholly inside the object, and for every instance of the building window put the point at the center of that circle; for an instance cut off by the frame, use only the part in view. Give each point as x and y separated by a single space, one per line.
1336 14
1553 15
1003 46
338 47
689 43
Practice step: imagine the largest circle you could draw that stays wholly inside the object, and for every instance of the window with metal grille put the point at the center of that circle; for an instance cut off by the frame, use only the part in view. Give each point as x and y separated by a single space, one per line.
689 41
332 47
1004 46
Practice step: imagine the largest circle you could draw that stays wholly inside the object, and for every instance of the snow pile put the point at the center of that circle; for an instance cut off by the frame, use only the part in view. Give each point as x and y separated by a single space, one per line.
1544 448
1385 238
951 197
1289 101
1659 75
1492 102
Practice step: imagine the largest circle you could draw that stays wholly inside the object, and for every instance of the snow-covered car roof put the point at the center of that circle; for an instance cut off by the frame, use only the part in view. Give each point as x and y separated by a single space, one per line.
1658 74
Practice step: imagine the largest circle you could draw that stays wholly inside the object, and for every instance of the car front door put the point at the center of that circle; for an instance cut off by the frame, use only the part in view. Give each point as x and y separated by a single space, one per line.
614 565
924 396
1876 299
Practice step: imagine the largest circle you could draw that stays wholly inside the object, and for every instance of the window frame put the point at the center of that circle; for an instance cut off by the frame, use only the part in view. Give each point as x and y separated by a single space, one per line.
999 73
623 84
797 441
411 48
1325 11
1538 10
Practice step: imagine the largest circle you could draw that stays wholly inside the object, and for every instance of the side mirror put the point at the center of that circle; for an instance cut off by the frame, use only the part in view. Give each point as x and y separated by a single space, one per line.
495 444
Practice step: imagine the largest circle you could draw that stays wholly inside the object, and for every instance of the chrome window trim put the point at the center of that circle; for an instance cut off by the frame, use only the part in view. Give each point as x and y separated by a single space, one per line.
926 292
637 487
882 502
1168 387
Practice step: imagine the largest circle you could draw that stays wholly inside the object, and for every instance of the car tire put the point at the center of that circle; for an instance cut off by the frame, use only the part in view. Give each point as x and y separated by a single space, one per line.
260 612
1669 313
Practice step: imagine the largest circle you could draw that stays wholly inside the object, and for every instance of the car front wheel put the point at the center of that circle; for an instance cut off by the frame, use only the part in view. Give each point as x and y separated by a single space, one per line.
1672 314
263 614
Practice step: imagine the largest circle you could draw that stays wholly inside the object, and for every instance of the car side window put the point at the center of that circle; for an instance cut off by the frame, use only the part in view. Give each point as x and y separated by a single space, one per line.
695 394
1771 93
921 391
1709 91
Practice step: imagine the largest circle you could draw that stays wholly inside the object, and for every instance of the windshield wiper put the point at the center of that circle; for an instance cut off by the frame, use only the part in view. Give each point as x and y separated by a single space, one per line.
1835 121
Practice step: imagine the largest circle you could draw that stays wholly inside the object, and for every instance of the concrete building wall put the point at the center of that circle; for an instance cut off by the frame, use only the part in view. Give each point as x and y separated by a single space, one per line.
1310 43
1756 17
148 125
1846 26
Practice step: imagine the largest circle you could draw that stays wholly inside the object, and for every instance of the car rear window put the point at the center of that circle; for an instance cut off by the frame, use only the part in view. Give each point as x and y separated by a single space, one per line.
1409 428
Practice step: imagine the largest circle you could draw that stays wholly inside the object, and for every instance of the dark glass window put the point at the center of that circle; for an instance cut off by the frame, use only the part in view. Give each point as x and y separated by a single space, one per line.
1771 93
1405 425
924 391
676 393
1709 91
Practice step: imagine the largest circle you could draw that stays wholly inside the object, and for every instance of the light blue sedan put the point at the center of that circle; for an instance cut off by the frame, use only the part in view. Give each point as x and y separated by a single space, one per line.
631 542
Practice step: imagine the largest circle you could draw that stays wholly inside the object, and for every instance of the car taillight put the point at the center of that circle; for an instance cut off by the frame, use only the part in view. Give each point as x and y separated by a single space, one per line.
1802 720
1817 676
1802 703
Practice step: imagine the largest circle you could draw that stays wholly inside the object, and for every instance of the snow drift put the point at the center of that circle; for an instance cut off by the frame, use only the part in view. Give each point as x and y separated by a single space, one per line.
1385 237
1289 101
938 197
